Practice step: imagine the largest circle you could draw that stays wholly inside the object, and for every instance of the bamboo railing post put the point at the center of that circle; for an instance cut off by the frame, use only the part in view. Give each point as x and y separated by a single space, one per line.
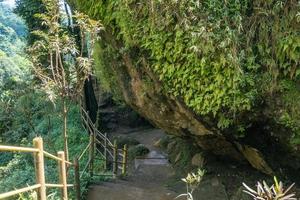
77 179
63 175
124 163
40 167
91 154
115 159
105 151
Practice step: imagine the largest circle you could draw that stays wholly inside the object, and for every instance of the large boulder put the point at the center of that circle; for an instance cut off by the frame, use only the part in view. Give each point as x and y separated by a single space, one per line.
207 72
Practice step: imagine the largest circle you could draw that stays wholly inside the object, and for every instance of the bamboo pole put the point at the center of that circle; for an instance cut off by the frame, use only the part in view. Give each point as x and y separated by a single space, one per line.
124 163
18 149
63 175
49 155
105 151
115 159
40 167
57 185
65 134
19 191
77 179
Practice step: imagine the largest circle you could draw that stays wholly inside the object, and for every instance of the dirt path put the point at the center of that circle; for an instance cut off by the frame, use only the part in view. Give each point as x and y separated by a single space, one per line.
147 177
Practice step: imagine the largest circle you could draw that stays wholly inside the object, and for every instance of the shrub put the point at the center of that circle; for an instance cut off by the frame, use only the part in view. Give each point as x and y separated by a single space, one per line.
138 150
192 181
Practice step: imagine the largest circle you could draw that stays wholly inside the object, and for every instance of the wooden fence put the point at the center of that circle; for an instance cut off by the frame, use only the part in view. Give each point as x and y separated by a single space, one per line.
41 186
97 140
110 151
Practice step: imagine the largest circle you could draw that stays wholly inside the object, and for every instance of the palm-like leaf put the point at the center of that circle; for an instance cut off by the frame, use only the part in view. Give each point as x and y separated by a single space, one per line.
275 192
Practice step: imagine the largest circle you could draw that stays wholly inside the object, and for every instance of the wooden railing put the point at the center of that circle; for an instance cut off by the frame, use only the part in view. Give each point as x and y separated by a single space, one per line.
111 153
97 141
41 186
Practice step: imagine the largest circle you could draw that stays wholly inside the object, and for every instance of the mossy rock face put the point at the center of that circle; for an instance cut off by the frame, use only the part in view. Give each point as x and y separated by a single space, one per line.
138 150
180 152
122 140
212 92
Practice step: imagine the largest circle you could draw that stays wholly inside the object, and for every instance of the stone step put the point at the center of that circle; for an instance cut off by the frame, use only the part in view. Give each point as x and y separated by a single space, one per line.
126 191
152 158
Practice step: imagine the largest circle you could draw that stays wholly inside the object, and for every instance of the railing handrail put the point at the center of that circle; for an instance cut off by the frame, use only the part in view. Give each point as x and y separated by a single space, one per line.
18 149
19 191
110 149
92 129
49 155
39 155
58 185
88 121
84 151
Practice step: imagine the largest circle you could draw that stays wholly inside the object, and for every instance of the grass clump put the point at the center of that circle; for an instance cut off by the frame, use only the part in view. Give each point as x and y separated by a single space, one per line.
138 150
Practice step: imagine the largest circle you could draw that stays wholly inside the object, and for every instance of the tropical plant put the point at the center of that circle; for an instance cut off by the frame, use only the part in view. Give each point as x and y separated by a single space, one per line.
192 181
58 63
274 192
24 111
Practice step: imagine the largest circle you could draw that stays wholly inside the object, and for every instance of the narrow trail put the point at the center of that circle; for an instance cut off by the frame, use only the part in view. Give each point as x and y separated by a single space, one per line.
147 177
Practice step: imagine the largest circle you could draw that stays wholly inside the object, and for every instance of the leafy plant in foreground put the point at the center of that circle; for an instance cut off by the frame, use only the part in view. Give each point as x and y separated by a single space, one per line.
192 181
275 192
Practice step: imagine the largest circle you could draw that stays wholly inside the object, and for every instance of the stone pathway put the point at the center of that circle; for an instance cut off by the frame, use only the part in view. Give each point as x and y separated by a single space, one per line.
148 177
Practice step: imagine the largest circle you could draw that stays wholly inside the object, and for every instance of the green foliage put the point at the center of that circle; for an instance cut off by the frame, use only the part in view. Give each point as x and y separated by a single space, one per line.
289 109
14 67
13 64
58 62
12 31
9 19
223 59
27 10
45 121
273 192
103 54
138 150
26 113
180 152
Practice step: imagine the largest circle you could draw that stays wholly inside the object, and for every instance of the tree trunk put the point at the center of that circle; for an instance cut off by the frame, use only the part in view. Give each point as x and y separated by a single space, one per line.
65 134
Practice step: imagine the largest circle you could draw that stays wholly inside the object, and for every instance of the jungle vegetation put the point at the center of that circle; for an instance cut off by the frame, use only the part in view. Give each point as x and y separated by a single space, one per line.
26 111
224 74
226 71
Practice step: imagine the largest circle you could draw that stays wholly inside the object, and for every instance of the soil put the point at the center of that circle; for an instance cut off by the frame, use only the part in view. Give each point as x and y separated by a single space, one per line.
147 177
154 178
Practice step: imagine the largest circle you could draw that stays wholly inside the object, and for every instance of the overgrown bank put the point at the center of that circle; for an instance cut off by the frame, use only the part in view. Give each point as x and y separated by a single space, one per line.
210 71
